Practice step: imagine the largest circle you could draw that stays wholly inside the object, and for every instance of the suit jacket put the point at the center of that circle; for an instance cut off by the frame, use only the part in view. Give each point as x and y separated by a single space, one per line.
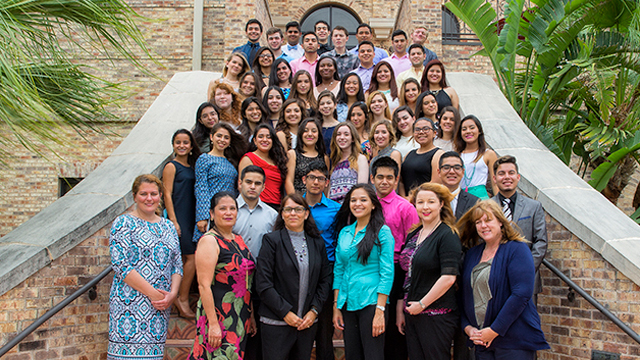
277 275
465 202
529 216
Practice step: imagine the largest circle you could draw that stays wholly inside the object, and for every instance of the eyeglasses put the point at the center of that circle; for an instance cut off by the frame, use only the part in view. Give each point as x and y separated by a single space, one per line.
449 167
422 129
263 56
299 210
318 178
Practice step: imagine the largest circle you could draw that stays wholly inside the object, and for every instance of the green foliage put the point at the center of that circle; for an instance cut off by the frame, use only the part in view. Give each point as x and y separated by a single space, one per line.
41 87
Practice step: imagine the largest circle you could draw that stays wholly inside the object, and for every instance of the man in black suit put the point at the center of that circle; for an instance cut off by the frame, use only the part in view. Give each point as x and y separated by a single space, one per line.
525 212
451 171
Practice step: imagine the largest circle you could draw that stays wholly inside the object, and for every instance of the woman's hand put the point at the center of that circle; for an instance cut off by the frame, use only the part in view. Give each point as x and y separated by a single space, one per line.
253 327
378 323
292 319
307 321
338 321
400 316
164 302
215 334
414 308
486 336
473 334
175 223
202 226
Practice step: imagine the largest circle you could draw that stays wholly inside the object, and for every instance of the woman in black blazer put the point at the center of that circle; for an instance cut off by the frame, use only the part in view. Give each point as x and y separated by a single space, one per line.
293 279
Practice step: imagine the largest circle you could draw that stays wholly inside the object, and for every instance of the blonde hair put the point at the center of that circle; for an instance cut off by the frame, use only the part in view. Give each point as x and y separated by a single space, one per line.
444 195
467 224
387 112
389 126
336 151
245 64
236 104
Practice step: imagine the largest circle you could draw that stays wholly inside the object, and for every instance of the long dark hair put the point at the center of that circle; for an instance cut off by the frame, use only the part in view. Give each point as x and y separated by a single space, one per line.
273 78
294 94
425 77
257 68
336 76
344 217
195 150
320 147
420 102
459 143
456 119
342 95
237 144
392 82
277 153
200 132
258 84
310 228
245 128
282 123
214 202
365 109
265 99
395 119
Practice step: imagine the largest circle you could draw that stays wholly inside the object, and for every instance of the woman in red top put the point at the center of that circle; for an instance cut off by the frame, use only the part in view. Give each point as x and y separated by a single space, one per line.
266 151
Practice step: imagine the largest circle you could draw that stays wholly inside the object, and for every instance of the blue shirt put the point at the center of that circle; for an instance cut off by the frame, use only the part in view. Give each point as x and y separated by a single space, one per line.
379 54
359 284
249 50
430 55
285 56
252 224
323 214
365 76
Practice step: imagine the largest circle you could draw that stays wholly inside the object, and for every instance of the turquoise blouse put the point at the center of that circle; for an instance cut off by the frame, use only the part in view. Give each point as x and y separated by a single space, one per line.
360 284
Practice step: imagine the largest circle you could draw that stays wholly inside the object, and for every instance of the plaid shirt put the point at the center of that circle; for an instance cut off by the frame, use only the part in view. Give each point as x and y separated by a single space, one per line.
346 62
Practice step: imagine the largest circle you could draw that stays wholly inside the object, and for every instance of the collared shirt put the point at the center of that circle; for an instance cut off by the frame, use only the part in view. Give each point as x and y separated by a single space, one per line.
454 202
365 75
323 214
252 224
346 62
430 55
284 55
512 204
358 283
399 64
304 64
324 48
400 216
294 51
249 50
379 54
408 74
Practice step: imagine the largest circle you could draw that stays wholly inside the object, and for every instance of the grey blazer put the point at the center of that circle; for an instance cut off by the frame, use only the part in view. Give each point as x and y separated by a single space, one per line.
465 202
529 216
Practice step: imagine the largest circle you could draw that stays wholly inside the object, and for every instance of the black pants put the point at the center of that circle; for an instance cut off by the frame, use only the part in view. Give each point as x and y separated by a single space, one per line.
395 344
286 342
505 354
359 343
461 350
253 349
324 335
429 337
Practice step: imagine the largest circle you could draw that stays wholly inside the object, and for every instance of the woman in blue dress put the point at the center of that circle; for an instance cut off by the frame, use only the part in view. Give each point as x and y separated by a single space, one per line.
217 171
145 255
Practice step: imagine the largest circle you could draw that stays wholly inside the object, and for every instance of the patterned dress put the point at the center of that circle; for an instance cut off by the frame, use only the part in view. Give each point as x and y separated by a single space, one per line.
302 169
213 174
343 178
136 329
233 277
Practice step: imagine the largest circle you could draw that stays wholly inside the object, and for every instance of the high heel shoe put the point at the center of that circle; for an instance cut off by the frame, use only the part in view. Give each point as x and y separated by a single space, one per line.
183 309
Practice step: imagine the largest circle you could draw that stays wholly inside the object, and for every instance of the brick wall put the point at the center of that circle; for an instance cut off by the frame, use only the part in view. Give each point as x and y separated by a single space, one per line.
80 331
573 329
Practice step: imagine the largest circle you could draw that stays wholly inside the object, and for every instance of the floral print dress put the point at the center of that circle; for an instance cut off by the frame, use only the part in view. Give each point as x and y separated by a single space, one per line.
233 277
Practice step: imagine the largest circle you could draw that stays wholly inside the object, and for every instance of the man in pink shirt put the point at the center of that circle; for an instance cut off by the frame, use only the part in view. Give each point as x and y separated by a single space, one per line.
399 60
400 216
309 60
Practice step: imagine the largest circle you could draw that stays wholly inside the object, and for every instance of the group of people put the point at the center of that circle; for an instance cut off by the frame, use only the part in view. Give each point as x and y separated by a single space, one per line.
300 208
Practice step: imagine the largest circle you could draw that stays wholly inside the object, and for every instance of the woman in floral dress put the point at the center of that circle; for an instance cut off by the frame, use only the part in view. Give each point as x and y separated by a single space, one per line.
225 270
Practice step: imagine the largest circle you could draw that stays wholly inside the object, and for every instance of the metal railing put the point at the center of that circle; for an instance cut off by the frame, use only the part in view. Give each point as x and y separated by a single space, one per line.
49 314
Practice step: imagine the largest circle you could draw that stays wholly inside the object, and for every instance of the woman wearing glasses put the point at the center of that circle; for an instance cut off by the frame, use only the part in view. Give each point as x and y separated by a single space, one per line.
293 281
419 165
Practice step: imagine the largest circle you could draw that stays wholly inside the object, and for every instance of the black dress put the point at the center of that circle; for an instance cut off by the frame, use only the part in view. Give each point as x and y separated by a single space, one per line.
416 168
184 205
443 99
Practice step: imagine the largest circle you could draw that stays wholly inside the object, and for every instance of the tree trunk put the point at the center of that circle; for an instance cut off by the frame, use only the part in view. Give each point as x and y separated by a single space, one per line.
620 179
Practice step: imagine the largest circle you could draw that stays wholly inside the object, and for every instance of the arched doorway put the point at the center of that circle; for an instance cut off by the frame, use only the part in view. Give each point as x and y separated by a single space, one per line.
335 15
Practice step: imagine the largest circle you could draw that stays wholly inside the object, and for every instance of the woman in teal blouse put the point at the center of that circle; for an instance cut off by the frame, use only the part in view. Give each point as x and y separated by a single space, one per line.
363 273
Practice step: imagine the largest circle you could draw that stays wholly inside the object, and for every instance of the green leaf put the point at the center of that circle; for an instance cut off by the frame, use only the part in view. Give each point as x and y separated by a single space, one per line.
238 304
229 297
228 321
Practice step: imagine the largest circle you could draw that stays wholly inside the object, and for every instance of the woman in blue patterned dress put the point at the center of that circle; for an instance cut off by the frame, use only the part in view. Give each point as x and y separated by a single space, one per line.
145 255
217 171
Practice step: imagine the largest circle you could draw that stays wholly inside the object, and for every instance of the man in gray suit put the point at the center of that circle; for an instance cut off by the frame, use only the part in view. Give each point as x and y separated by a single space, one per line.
451 171
525 212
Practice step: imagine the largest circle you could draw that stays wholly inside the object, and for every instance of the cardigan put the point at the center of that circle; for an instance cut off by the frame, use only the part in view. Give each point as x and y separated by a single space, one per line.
510 312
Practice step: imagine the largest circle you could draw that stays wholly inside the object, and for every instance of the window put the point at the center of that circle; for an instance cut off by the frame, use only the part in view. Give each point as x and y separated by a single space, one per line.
455 32
66 184
335 15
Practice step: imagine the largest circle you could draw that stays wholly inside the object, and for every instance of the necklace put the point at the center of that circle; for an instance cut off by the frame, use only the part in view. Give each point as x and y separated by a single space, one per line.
419 244
326 87
302 253
467 179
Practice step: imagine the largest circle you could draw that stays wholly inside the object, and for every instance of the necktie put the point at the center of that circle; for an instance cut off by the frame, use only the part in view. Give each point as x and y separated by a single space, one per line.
506 209
290 47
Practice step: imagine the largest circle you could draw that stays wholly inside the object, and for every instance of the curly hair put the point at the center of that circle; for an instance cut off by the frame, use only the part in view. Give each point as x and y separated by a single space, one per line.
277 153
236 103
237 144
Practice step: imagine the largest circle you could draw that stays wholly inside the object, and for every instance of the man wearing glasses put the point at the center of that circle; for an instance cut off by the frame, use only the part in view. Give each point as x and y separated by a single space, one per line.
451 171
324 211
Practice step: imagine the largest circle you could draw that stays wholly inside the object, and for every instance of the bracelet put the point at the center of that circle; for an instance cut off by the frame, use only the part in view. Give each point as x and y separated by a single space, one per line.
421 304
315 310
380 307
